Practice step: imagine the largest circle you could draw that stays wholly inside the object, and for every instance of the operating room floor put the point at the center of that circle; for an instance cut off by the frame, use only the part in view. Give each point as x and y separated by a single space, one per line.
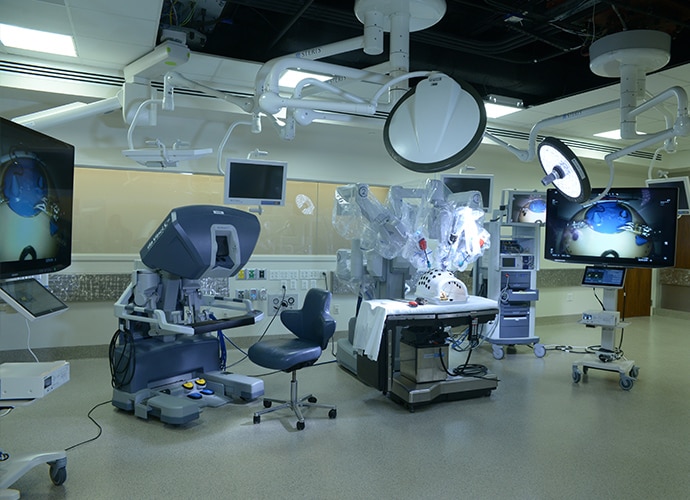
538 436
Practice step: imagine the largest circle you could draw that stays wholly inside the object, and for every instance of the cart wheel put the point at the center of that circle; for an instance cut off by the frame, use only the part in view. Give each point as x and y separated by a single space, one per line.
332 413
312 399
626 383
634 371
497 351
267 404
300 426
257 419
58 475
585 369
577 376
539 350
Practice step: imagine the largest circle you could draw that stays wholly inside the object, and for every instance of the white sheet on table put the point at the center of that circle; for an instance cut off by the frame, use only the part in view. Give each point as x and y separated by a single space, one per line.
372 317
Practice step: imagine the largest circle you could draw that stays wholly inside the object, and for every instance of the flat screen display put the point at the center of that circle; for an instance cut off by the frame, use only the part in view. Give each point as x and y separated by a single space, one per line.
255 182
461 183
603 277
528 207
629 227
683 186
36 193
30 298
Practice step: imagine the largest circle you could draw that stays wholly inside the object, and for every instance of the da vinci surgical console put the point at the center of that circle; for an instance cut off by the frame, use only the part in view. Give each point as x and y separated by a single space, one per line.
165 359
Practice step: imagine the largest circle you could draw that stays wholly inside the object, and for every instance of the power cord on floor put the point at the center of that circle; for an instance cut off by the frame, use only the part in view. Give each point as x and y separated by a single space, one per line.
100 429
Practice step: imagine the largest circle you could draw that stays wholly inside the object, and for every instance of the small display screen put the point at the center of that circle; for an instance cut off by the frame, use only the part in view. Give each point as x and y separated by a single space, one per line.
471 182
255 182
33 299
527 207
604 277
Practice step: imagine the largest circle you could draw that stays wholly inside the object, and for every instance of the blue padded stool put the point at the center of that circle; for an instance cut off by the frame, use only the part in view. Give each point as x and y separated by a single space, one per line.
313 327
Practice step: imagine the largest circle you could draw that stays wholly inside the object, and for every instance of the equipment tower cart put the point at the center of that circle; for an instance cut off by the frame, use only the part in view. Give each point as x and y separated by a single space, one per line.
510 274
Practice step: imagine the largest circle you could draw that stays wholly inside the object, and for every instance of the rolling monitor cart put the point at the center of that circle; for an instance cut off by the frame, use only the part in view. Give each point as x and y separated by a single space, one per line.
607 356
22 383
511 270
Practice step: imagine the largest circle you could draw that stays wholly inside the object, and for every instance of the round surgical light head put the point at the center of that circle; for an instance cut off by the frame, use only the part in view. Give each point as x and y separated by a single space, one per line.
564 170
436 125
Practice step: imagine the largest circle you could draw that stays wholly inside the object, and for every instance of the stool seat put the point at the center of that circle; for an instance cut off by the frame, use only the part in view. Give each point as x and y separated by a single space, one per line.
285 355
313 326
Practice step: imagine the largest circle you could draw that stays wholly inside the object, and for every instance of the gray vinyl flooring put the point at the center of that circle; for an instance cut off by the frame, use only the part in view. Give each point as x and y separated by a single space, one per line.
538 436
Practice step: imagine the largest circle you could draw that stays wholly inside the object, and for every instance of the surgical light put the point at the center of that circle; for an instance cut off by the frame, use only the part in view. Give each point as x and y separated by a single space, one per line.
36 40
436 125
564 170
630 56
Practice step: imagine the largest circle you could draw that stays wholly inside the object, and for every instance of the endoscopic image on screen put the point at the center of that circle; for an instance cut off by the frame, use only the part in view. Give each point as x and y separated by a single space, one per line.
527 207
634 227
36 184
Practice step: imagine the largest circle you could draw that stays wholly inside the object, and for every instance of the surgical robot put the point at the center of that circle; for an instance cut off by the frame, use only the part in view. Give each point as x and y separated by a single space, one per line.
165 359
393 246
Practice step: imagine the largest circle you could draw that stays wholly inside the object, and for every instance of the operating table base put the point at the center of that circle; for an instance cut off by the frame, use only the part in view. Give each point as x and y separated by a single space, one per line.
412 394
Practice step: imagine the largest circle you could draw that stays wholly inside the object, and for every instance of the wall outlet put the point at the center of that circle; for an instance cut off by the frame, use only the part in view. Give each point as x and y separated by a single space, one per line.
274 301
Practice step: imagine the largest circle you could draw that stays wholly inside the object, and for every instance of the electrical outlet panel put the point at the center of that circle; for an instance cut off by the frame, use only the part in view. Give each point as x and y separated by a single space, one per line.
274 301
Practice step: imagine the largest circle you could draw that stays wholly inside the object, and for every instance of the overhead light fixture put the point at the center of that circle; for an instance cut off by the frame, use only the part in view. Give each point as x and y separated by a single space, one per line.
614 134
436 125
292 77
497 106
629 55
610 134
36 40
564 170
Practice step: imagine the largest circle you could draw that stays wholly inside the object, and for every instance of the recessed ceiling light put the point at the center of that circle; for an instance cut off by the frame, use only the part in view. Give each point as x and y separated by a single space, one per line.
35 40
497 106
611 134
292 77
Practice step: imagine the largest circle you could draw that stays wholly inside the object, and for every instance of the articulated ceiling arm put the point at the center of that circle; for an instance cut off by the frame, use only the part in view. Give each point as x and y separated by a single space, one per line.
173 79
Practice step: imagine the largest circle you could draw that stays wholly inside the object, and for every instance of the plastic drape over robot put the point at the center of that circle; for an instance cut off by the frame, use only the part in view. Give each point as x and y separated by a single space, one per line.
421 227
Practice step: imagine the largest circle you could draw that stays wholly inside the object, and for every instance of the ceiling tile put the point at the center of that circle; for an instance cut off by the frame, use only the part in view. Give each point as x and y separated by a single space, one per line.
105 26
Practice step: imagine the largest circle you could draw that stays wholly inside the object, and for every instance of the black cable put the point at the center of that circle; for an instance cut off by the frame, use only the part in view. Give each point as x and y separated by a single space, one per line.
122 369
100 429
594 290
470 370
283 303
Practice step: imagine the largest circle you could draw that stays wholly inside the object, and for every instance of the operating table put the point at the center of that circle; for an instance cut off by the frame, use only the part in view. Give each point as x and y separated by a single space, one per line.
404 353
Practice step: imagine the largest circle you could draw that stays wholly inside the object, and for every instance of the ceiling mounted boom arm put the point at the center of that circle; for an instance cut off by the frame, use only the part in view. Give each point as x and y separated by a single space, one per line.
173 79
629 55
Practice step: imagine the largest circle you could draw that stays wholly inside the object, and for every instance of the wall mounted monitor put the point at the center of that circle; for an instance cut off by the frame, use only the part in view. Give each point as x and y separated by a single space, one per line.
526 207
683 185
460 183
255 182
603 277
30 298
36 193
629 227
